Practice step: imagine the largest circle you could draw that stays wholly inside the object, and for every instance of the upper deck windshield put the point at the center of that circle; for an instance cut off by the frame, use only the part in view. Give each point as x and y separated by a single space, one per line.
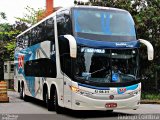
107 65
103 24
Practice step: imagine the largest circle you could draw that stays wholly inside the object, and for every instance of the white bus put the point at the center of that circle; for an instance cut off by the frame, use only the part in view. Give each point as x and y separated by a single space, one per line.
81 58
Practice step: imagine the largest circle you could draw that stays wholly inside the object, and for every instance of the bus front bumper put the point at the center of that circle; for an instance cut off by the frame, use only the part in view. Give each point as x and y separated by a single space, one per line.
80 102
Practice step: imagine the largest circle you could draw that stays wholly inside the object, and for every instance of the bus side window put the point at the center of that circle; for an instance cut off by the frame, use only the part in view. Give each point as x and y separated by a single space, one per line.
40 68
64 24
67 24
49 29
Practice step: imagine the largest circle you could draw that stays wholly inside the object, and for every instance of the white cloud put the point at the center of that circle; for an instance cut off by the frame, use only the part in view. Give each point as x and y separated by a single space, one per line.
16 8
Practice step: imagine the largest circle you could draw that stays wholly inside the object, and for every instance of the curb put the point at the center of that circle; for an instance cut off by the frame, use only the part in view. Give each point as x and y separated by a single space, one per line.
150 101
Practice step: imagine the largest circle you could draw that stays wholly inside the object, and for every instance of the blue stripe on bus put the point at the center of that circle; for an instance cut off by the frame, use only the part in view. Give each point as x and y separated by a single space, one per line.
93 87
106 44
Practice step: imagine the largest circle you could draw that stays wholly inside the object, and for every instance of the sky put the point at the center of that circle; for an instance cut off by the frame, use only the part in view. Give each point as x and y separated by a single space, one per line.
16 8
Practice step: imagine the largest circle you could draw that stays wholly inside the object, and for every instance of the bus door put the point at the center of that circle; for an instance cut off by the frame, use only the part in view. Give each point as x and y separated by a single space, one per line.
67 81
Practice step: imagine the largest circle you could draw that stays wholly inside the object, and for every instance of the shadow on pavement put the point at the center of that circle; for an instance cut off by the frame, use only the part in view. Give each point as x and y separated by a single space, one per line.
81 114
93 114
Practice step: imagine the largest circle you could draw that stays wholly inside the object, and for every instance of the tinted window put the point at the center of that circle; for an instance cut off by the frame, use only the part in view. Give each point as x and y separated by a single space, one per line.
40 33
41 68
65 59
43 32
22 42
64 24
104 25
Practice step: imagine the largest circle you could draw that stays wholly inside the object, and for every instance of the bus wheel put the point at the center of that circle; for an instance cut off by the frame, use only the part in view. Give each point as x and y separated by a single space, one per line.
109 111
58 109
21 92
51 104
45 99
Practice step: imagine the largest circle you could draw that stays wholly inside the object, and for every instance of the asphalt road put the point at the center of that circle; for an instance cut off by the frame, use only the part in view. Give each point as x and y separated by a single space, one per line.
18 109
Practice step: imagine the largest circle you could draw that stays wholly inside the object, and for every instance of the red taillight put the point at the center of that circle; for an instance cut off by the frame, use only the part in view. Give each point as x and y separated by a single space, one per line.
111 105
122 89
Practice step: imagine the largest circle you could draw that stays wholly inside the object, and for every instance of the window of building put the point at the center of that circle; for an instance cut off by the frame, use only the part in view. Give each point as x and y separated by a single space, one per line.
12 68
5 69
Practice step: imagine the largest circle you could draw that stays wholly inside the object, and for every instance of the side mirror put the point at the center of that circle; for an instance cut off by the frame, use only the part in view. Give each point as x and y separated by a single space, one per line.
72 45
150 49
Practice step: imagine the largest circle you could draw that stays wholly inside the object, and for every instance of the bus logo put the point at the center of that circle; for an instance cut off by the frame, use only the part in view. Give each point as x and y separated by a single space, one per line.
20 61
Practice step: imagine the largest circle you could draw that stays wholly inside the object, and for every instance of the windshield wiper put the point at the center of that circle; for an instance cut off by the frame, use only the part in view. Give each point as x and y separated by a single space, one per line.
88 74
98 70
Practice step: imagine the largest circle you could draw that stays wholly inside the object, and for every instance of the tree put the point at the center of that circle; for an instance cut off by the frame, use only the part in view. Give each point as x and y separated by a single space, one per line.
31 17
2 15
8 34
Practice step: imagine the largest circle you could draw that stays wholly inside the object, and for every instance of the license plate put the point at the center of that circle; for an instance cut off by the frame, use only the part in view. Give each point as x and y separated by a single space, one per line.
111 105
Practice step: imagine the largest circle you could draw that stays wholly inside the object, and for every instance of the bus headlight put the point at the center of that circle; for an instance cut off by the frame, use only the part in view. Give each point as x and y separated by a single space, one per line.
74 89
79 91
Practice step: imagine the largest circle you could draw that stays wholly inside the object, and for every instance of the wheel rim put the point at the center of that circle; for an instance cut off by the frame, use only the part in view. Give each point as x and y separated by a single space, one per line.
23 94
20 92
54 100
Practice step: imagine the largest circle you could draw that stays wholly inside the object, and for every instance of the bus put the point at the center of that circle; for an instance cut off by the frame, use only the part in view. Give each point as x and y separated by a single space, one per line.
81 58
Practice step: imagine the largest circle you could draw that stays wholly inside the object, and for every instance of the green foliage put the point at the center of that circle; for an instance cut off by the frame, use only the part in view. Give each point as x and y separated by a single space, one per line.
9 32
7 39
150 96
31 17
10 49
2 15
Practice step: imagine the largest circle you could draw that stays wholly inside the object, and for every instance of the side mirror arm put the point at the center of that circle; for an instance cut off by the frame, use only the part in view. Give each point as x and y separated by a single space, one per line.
150 49
72 45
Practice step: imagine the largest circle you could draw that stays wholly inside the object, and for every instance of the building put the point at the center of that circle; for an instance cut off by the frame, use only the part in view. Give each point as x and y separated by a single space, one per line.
9 73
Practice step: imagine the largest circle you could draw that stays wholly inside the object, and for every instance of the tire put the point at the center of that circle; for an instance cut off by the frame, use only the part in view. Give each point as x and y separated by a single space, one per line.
58 109
22 94
48 103
45 99
51 104
109 111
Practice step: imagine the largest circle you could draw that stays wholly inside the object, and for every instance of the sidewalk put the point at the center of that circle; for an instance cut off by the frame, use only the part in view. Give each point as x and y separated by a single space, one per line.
150 101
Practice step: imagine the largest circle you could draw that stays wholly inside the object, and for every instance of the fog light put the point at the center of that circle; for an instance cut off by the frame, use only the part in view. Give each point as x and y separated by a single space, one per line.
77 103
111 97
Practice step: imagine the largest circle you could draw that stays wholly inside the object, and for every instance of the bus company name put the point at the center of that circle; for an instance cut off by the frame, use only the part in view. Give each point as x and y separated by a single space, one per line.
123 44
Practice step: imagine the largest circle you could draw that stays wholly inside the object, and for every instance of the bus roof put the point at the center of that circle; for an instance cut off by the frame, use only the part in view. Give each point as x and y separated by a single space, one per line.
61 9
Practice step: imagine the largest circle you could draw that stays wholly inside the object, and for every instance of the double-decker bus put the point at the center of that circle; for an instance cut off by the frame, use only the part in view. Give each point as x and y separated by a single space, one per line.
81 58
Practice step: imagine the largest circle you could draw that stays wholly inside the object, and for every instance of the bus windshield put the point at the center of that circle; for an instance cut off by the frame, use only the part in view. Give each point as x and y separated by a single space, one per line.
109 25
107 65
